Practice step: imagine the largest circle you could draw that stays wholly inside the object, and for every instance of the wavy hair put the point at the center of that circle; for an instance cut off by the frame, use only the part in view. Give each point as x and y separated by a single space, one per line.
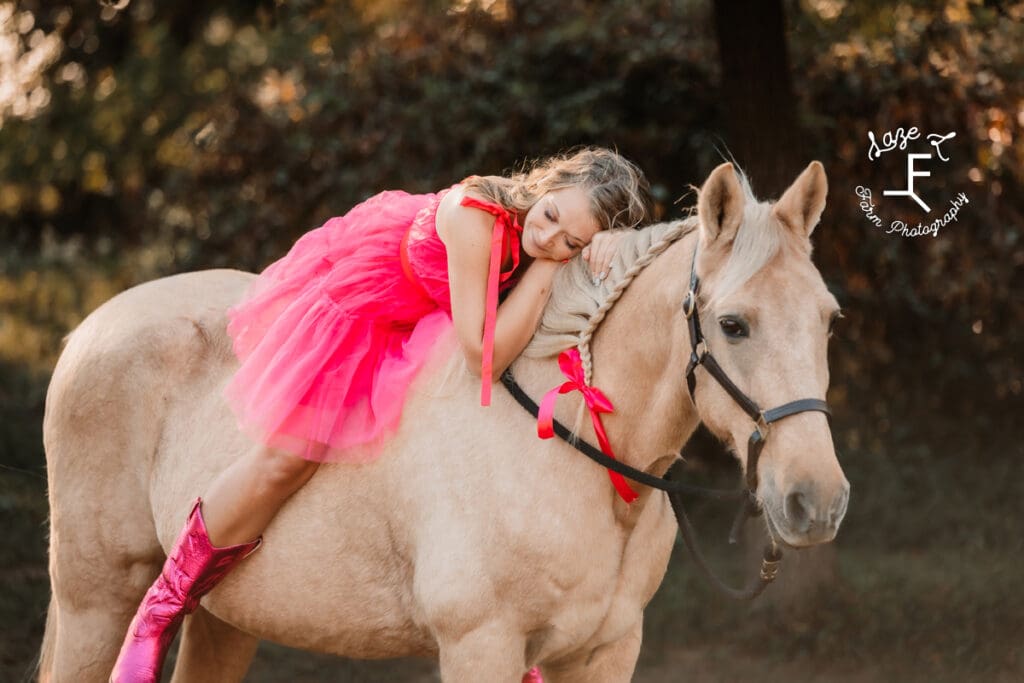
620 196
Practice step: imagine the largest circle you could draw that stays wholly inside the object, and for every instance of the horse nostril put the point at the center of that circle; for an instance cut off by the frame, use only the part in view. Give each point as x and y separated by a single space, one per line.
797 512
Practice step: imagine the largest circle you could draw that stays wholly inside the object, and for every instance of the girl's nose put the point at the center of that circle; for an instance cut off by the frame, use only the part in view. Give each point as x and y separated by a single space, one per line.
547 237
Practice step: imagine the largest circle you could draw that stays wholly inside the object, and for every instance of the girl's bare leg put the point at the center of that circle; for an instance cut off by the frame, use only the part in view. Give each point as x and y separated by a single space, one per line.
243 499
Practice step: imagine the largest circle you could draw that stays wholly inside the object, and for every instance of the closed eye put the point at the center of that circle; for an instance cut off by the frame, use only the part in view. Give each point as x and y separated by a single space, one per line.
550 216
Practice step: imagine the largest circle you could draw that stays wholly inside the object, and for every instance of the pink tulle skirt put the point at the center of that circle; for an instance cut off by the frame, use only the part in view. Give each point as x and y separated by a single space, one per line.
330 336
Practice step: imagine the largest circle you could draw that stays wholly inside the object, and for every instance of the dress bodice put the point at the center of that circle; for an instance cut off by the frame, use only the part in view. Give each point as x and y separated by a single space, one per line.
425 261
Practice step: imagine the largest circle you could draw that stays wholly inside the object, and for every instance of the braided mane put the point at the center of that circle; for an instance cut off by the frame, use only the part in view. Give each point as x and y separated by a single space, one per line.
574 314
577 309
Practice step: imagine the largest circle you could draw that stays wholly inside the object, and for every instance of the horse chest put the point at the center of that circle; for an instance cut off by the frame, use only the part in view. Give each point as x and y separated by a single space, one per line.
606 601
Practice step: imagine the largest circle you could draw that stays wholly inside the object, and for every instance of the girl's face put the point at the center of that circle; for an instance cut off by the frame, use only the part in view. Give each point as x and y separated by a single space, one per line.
559 225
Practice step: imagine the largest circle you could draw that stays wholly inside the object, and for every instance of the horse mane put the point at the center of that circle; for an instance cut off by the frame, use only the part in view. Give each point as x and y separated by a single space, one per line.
759 238
578 306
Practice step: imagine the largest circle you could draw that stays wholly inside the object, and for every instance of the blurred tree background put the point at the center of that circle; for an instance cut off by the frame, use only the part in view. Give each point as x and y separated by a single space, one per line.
140 139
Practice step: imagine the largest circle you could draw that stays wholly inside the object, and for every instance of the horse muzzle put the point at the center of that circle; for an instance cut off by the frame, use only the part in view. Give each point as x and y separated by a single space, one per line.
807 513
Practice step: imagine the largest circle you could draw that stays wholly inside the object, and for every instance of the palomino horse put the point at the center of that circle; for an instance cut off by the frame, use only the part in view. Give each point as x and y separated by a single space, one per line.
468 539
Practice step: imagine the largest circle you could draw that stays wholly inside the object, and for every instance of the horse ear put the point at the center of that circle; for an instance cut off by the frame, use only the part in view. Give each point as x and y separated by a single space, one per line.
720 205
802 203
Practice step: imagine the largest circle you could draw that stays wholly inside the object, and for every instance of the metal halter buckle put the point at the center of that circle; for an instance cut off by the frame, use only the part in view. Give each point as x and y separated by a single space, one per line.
761 425
689 304
769 569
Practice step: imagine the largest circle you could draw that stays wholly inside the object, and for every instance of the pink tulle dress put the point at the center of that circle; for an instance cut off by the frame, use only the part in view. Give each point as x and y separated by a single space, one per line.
330 336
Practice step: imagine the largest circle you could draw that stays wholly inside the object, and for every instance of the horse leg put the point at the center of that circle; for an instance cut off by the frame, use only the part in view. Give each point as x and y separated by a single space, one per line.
613 662
89 621
490 652
85 645
211 650
102 559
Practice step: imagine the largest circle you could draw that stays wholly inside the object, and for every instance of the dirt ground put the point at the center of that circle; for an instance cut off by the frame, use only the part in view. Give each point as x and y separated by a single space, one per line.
692 665
274 664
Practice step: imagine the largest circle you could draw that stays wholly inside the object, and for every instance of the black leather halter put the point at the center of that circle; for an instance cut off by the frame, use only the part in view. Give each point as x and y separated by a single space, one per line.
700 356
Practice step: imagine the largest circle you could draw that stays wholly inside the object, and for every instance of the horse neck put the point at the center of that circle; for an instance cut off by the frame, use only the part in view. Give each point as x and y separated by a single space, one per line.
638 361
639 356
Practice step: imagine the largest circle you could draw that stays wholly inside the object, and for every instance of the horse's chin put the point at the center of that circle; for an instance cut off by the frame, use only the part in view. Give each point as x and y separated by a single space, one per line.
783 532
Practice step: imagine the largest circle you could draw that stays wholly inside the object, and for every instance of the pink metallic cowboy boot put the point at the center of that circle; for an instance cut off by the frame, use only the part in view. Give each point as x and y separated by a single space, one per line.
193 567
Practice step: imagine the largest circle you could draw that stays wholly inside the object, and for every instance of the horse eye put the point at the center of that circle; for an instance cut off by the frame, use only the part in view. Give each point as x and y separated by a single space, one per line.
733 328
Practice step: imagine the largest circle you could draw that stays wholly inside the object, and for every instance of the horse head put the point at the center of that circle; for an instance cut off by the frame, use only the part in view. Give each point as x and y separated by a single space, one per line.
767 319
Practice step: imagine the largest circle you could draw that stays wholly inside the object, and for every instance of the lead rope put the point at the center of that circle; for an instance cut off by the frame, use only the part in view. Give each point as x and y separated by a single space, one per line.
769 561
700 356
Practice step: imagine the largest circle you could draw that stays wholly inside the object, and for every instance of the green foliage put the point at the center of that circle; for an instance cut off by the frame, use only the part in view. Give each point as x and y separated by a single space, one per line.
264 123
933 324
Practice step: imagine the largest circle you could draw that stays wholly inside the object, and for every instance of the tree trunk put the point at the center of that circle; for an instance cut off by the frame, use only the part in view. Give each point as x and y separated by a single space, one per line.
759 109
763 132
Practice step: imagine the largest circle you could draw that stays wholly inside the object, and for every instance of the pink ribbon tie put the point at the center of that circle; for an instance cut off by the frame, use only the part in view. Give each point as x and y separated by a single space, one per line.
572 367
505 226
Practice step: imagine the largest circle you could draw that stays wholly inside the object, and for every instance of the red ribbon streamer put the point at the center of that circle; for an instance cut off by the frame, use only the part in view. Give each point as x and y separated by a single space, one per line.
505 226
572 367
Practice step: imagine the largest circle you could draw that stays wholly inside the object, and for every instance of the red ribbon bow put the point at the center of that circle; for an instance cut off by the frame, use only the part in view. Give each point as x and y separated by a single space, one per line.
572 367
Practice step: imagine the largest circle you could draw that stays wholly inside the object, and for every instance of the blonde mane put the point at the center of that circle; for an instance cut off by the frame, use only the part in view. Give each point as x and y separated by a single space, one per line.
574 314
758 239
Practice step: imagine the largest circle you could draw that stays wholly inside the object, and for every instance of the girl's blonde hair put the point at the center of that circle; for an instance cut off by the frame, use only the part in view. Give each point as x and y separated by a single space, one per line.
620 196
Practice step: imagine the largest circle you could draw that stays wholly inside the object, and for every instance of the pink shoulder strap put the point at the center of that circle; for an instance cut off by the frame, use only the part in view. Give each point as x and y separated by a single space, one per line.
505 223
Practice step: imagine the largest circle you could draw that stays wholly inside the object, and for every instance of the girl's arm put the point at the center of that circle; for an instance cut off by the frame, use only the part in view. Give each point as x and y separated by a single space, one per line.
466 233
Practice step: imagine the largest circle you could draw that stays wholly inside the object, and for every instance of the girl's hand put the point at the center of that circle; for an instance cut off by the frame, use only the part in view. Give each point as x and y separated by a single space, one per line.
598 254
